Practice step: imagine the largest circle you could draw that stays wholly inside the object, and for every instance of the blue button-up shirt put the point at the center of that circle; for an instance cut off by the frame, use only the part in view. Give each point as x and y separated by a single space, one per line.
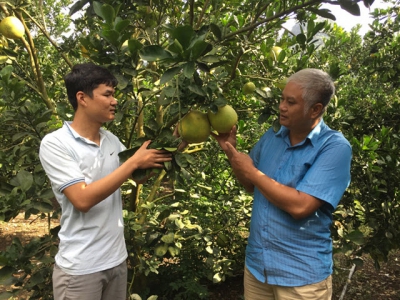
282 250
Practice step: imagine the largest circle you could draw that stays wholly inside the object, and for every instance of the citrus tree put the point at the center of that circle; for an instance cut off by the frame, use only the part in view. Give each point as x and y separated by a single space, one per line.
187 226
366 71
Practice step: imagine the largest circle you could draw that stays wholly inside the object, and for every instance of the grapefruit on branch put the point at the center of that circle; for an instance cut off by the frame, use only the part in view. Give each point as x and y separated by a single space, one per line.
274 52
194 127
248 88
11 27
224 119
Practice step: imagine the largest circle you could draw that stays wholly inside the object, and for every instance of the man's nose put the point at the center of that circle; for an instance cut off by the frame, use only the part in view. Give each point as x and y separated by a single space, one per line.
282 105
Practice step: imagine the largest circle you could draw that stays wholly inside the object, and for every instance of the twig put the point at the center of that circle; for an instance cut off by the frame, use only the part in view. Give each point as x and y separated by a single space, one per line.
352 270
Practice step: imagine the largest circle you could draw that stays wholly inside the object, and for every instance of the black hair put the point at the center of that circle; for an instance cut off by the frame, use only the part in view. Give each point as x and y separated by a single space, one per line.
85 78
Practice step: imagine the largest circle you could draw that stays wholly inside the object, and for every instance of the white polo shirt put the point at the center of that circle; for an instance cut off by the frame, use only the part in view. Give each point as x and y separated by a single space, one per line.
93 241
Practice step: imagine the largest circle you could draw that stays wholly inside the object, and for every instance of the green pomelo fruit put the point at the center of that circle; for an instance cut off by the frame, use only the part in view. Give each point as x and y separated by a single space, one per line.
281 83
11 27
274 52
224 119
194 127
248 88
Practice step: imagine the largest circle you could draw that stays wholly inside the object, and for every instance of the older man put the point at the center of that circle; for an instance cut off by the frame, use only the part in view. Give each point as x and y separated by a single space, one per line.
298 175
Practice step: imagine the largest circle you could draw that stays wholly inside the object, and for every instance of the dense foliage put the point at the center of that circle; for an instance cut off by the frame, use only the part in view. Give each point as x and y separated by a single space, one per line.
187 227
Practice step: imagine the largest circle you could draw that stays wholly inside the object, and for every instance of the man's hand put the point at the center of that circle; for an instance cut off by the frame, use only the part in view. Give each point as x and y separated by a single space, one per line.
223 138
150 158
242 165
240 162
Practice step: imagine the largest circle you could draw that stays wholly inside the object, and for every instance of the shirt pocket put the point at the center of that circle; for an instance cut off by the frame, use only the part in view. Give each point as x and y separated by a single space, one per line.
293 174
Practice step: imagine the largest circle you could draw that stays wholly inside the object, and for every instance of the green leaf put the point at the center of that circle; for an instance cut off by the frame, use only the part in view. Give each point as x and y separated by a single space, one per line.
334 70
140 174
350 6
6 275
200 48
124 155
3 59
301 39
37 278
111 35
169 74
122 81
23 179
210 59
203 67
197 90
6 296
184 35
5 72
217 278
188 69
170 149
318 27
282 56
43 207
216 31
154 53
104 11
358 262
134 46
356 237
161 250
325 13
176 47
19 135
179 223
78 6
168 238
120 25
174 251
368 3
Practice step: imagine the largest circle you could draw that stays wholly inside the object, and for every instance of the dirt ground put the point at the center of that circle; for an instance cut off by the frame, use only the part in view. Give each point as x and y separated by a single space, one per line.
367 283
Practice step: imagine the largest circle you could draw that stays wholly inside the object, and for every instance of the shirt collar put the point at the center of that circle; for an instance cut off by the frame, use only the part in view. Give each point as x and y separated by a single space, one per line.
312 136
72 131
78 136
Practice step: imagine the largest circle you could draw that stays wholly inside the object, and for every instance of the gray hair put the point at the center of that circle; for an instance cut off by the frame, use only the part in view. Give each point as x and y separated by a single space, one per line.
317 86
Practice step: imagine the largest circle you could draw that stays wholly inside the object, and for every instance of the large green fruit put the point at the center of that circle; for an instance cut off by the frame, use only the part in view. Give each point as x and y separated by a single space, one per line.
274 52
224 119
281 83
194 127
11 27
248 88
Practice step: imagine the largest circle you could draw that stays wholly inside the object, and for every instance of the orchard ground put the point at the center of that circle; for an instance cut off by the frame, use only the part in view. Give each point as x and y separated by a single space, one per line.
366 283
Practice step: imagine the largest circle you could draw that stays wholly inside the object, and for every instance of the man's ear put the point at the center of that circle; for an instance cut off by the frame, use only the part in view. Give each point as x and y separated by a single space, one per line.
316 110
81 98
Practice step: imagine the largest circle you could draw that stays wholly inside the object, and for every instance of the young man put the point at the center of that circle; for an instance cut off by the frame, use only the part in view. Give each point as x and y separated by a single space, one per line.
298 176
81 161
